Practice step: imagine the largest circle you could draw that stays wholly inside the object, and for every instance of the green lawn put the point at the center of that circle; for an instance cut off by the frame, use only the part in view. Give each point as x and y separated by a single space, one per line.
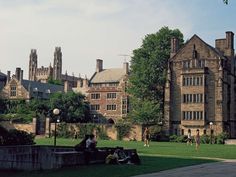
158 157
161 148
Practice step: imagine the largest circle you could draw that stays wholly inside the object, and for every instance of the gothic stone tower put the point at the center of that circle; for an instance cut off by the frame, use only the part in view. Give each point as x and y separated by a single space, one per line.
57 64
33 64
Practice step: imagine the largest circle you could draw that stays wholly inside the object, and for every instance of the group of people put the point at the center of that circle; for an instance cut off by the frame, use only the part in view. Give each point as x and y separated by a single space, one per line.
146 138
197 139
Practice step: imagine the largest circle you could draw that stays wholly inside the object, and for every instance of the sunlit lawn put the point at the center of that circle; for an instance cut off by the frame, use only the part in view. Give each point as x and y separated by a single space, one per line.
160 148
158 157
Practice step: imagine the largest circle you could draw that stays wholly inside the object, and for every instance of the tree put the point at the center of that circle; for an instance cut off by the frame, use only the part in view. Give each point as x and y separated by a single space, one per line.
148 71
72 105
52 81
226 1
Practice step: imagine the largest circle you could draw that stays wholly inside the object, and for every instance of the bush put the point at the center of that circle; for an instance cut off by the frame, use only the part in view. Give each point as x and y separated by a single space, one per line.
154 132
220 139
63 131
123 129
102 134
85 129
206 139
18 137
173 138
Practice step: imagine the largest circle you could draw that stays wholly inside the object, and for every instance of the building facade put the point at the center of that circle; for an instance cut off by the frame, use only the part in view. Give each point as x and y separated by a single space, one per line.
106 93
3 80
17 88
200 87
54 72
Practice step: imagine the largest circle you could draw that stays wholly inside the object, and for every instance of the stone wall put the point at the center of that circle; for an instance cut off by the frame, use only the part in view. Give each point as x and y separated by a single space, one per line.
135 133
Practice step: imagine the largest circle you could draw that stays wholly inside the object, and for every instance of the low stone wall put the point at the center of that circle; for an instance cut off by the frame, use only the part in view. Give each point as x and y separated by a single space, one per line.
135 132
49 157
36 157
30 128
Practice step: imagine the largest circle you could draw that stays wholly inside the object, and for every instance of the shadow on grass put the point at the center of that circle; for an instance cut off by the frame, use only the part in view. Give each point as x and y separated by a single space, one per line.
149 165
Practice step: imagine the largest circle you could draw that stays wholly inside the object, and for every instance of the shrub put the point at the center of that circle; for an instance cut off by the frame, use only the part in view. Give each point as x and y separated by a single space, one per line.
85 129
19 137
63 131
220 139
173 138
178 139
154 132
205 139
123 129
102 134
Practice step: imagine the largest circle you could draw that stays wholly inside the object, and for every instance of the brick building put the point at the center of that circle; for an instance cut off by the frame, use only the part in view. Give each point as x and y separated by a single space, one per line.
106 92
200 87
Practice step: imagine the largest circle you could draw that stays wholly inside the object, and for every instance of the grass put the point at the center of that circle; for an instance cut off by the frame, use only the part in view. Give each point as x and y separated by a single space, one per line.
160 148
149 165
158 157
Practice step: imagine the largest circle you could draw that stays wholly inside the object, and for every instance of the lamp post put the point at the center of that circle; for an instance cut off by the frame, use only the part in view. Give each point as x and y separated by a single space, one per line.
211 124
56 113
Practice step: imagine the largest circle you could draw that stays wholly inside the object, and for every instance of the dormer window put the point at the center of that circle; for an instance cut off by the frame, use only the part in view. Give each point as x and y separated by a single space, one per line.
13 91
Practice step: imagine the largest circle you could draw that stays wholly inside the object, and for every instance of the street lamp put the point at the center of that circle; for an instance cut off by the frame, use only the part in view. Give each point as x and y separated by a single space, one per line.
56 113
211 124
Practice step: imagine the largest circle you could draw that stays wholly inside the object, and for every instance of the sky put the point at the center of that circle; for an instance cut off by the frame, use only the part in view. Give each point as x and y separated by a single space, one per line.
87 30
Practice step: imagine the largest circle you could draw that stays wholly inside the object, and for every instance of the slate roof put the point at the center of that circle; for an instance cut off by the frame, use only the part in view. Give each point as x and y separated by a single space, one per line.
3 76
108 75
41 87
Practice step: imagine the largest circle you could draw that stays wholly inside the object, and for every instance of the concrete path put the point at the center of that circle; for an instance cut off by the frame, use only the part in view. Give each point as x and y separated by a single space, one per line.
226 168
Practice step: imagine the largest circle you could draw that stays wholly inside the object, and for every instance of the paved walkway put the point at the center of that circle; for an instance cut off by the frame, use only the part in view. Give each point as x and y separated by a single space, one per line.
226 168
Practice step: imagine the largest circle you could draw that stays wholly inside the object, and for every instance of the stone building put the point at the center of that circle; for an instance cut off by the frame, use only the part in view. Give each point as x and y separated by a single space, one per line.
106 93
18 88
200 87
54 72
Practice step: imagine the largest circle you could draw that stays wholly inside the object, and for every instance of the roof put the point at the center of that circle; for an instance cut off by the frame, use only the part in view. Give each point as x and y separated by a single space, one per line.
217 52
42 87
108 75
2 75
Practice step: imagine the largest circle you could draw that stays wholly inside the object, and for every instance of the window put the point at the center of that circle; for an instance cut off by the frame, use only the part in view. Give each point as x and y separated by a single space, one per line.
95 107
95 96
111 95
192 115
124 105
192 81
192 98
111 107
13 91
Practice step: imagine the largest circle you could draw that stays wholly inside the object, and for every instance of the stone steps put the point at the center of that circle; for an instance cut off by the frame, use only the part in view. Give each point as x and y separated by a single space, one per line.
230 141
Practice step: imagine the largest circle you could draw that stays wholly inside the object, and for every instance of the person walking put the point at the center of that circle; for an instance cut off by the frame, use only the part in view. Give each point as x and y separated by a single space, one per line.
146 137
189 138
197 139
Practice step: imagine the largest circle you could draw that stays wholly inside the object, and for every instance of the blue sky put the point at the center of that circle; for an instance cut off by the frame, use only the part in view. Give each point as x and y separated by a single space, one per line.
91 29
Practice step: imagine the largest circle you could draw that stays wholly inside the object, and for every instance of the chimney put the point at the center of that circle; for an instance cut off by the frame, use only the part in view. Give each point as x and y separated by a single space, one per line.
174 46
85 82
8 76
67 87
99 66
79 83
21 75
18 71
229 40
126 67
